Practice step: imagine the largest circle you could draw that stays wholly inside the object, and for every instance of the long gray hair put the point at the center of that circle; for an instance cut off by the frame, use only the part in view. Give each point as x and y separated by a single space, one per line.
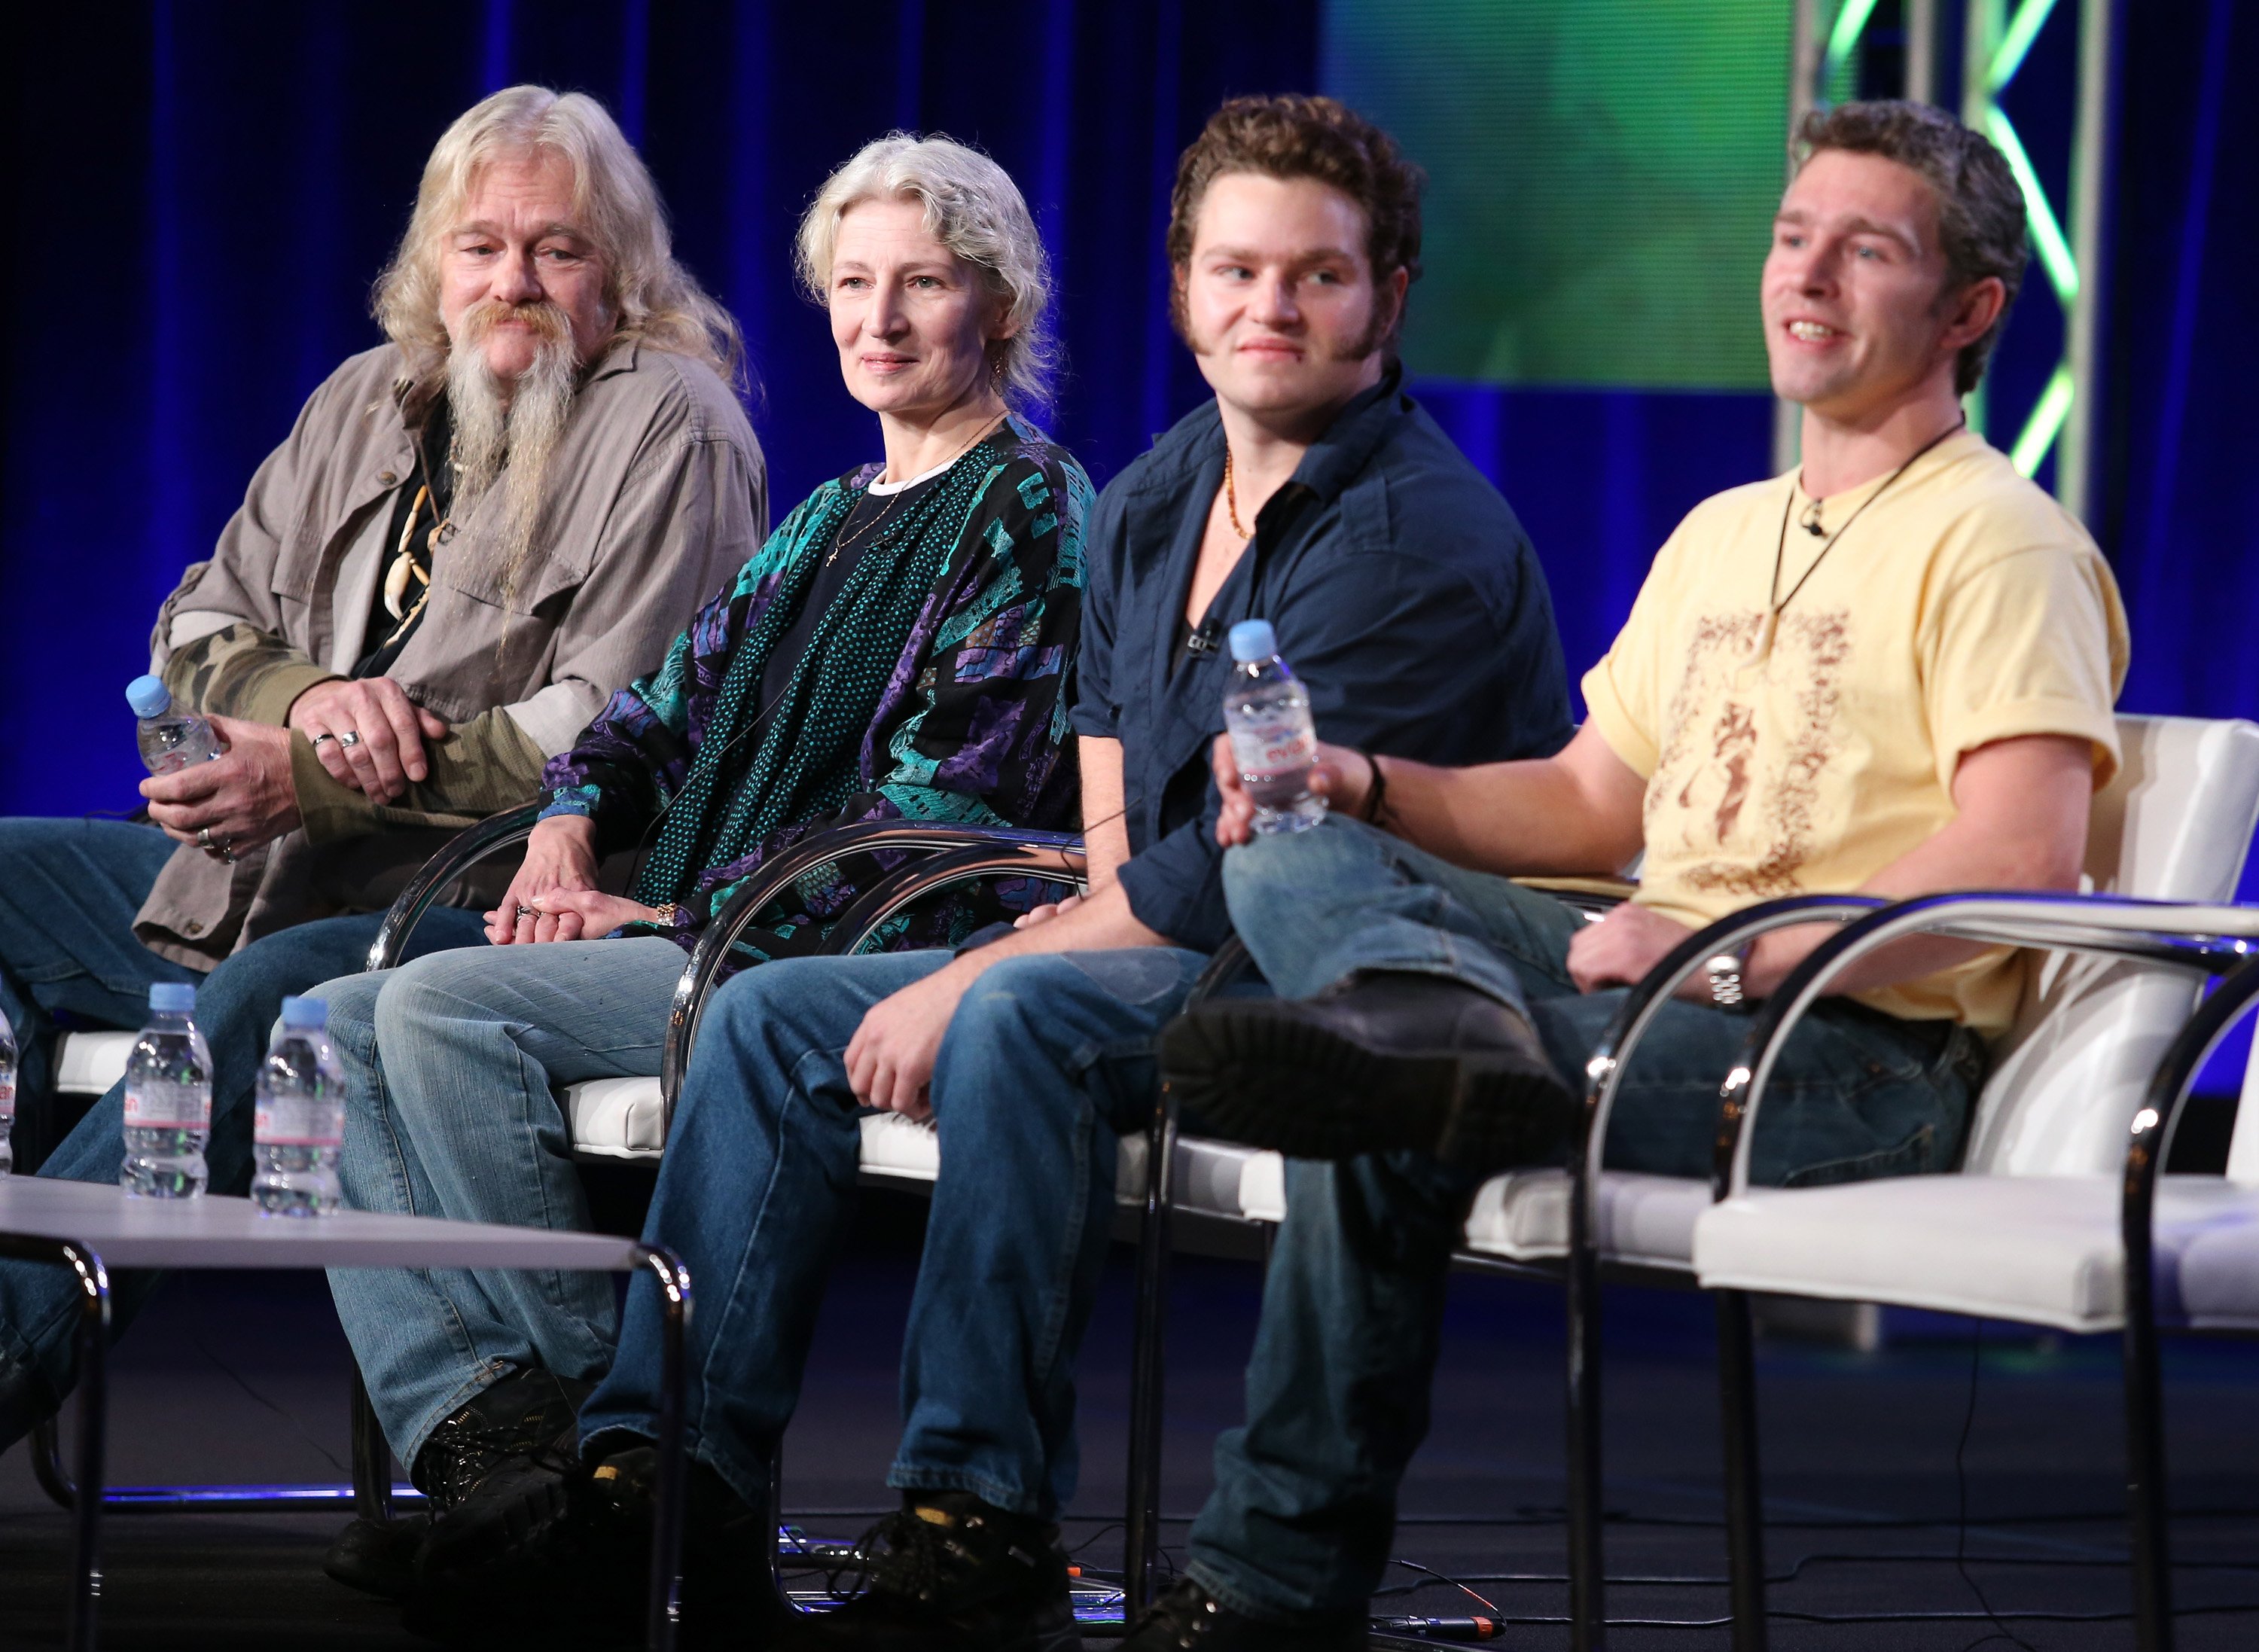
656 300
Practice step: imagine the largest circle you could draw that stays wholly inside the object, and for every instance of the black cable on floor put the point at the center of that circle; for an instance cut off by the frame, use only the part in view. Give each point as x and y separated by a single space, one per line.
1961 1504
1691 1522
1633 1580
288 1416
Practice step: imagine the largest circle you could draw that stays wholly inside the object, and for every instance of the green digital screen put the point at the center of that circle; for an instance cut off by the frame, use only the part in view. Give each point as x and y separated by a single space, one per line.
1602 177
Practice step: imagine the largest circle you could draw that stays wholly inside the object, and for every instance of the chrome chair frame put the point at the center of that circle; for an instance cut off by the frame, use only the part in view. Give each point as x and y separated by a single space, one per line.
373 1492
2205 940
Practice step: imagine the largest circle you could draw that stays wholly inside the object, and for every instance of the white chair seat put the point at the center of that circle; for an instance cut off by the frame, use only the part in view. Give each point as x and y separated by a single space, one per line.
1210 1174
2041 1250
1524 1216
621 1118
1644 1220
89 1063
2219 1270
616 1118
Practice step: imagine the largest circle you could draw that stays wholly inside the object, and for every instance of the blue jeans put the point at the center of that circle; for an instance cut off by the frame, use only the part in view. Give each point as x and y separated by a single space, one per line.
236 1006
68 890
1303 1512
451 1064
1046 1061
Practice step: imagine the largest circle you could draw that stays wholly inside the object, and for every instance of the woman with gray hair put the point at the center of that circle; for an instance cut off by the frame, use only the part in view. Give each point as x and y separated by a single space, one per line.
900 647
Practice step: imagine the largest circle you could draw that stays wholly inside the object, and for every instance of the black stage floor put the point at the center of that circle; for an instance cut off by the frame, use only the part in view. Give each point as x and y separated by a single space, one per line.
243 1377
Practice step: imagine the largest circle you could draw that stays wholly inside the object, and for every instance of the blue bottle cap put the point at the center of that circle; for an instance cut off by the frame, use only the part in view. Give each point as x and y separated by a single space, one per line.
148 697
172 998
1253 640
313 1013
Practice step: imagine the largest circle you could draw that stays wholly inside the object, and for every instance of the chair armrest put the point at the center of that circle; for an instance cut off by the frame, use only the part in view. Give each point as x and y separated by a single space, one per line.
2204 939
490 836
771 879
1604 1069
2151 1138
1053 855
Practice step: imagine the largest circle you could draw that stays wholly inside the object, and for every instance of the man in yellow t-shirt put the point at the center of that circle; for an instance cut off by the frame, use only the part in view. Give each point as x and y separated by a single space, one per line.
1891 671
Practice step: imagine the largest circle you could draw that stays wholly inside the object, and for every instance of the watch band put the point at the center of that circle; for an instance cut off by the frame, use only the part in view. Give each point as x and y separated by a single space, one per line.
1724 970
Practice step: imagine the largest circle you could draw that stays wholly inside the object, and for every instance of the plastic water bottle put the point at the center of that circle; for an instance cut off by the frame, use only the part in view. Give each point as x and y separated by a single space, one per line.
299 1126
167 1100
171 736
7 1097
1268 712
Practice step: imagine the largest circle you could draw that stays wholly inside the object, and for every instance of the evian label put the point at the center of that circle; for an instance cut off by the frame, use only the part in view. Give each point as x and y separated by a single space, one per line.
7 1098
166 1107
1281 745
299 1121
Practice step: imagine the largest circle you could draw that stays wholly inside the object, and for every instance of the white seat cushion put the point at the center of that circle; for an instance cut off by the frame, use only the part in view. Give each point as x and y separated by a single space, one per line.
616 1118
89 1063
1641 1218
1209 1174
2040 1249
1524 1216
620 1118
2218 1273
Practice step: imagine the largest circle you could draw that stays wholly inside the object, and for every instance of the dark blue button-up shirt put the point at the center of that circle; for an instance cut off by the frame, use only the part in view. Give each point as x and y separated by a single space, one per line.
1404 595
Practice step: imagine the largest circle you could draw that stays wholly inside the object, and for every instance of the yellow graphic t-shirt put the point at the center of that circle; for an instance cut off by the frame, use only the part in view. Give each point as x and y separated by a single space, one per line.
1802 755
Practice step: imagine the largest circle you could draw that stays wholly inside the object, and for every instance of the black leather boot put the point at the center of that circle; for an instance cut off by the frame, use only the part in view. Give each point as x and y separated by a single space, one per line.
496 1471
950 1573
1385 1062
509 1428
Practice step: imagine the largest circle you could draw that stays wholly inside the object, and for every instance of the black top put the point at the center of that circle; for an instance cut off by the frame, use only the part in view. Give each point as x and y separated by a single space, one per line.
386 636
1404 594
874 520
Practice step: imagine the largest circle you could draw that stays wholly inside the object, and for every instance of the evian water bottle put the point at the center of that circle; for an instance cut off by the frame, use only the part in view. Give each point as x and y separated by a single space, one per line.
1272 738
171 736
298 1128
167 1100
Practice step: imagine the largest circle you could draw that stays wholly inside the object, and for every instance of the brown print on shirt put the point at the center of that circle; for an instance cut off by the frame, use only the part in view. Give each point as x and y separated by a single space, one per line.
1733 740
1715 763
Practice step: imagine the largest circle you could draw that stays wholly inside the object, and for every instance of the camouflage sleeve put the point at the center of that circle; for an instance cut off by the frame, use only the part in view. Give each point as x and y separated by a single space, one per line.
483 766
241 671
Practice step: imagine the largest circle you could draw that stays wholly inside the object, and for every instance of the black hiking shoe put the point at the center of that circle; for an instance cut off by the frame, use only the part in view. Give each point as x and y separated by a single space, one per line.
1188 1619
602 1550
1387 1061
579 1575
496 1471
510 1423
950 1573
378 1557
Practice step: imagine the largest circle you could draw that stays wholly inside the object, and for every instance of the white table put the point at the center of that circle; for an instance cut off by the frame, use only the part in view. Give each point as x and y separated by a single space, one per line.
90 1227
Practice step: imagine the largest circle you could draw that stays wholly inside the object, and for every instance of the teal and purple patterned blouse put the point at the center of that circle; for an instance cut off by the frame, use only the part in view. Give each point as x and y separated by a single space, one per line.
932 685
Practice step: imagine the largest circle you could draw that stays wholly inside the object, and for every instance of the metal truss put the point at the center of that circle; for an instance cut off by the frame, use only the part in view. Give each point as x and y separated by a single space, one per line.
1998 37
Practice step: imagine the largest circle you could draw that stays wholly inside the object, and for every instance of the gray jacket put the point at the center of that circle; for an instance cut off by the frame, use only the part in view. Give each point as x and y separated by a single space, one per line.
658 495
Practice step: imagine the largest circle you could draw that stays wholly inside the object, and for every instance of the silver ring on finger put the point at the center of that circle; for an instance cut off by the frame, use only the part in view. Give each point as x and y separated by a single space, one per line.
203 837
318 738
524 913
350 738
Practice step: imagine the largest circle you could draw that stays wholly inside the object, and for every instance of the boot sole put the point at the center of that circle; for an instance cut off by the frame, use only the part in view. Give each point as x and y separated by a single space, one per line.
1308 1092
377 1561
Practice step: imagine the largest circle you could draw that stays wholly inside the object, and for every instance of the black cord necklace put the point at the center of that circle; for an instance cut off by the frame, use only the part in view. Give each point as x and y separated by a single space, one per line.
1771 621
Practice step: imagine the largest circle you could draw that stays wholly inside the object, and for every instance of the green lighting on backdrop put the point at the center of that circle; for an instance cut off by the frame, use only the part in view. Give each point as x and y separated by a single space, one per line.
1602 179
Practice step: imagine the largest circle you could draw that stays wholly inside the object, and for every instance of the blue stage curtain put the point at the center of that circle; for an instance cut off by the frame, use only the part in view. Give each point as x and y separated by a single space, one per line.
199 195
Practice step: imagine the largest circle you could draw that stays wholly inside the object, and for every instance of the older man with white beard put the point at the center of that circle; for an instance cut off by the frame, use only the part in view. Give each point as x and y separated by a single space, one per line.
476 533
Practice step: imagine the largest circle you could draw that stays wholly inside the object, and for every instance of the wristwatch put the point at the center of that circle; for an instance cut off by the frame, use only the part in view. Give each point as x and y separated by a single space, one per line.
1725 975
